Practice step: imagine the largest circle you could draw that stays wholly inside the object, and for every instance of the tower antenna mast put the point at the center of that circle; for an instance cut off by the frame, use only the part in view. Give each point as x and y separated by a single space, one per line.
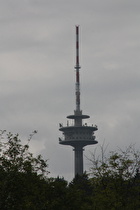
77 67
78 135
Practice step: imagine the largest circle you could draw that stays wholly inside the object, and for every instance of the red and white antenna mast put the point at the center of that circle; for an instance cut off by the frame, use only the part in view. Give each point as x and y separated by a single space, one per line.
77 67
74 135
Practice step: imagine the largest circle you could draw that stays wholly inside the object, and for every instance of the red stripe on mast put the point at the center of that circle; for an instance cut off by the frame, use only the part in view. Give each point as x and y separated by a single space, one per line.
77 45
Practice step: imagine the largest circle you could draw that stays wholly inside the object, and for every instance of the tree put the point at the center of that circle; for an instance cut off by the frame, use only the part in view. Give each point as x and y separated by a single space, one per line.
57 194
115 179
22 176
79 193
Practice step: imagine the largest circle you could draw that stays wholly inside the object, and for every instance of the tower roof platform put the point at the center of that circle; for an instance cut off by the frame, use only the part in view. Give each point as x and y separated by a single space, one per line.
76 128
78 116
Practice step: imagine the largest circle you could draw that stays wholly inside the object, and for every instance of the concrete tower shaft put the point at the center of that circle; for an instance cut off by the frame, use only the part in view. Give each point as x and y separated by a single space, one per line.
78 134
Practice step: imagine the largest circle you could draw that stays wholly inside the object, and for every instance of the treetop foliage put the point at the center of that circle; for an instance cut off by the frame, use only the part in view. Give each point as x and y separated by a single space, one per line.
114 181
16 157
124 164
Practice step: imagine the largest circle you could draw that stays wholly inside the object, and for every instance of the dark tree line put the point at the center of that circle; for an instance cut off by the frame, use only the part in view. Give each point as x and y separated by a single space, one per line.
113 183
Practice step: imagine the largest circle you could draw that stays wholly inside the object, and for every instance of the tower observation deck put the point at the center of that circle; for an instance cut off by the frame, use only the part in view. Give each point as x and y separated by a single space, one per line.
78 134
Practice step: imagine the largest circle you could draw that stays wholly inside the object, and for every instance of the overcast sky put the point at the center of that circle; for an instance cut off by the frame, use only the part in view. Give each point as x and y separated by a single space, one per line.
37 76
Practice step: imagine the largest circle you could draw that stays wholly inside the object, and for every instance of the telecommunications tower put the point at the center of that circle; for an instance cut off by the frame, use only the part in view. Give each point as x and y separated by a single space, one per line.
78 134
